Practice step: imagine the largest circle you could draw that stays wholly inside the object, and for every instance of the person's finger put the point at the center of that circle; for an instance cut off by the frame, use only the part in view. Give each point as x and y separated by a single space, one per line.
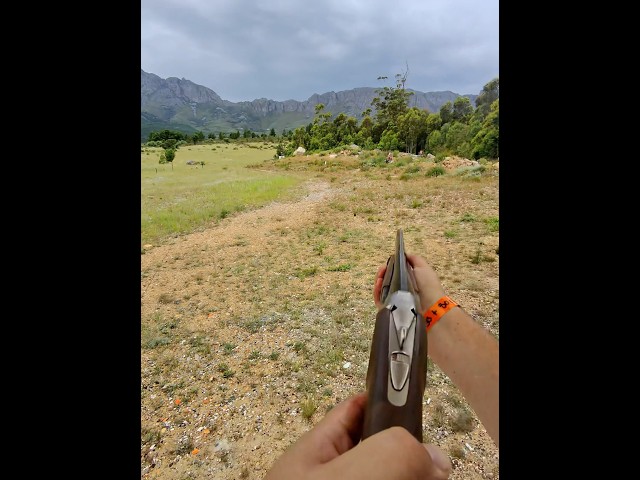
337 432
416 261
377 285
429 286
391 453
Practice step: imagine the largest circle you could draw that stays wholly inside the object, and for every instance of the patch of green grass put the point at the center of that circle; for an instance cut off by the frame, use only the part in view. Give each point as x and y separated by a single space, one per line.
493 223
254 355
415 203
345 267
319 248
227 348
300 347
177 198
225 370
306 272
274 356
450 234
468 217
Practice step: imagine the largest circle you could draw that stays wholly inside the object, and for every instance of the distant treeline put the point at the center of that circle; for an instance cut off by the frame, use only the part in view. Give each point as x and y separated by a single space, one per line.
458 128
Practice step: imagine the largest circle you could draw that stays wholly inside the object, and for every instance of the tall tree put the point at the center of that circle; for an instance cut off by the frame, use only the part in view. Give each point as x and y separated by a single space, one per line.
412 126
462 109
446 113
489 94
391 102
486 142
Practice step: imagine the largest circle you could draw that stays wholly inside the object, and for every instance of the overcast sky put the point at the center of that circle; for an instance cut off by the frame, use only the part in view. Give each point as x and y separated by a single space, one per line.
291 49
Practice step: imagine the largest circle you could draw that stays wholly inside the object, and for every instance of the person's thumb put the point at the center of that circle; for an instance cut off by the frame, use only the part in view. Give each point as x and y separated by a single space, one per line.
439 458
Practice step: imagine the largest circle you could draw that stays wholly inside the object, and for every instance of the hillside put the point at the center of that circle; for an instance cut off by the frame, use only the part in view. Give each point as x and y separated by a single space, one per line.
179 104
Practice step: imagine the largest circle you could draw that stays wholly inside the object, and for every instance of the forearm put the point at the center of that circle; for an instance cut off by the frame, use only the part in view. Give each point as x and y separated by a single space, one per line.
468 354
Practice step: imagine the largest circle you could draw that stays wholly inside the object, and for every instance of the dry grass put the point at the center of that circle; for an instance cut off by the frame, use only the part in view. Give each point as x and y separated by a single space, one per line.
263 322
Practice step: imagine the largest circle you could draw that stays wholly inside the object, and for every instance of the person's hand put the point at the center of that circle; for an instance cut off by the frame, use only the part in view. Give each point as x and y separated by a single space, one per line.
428 283
331 450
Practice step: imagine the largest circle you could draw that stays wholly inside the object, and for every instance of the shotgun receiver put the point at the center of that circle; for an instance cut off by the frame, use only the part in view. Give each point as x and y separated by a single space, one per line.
397 372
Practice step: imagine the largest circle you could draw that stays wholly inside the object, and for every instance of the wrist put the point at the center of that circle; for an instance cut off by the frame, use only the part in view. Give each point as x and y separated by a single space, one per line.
436 310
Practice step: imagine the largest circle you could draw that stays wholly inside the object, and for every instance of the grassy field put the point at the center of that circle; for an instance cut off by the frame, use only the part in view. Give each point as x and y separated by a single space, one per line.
256 326
179 198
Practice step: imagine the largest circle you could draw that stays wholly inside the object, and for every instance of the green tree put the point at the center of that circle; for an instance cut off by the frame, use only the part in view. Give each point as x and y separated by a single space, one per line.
272 132
300 138
486 142
462 109
446 113
169 154
435 141
197 137
412 127
221 135
163 135
391 102
489 94
363 137
388 140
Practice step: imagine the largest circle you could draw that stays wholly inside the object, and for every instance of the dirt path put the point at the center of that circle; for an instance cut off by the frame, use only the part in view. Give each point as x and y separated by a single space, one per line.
252 329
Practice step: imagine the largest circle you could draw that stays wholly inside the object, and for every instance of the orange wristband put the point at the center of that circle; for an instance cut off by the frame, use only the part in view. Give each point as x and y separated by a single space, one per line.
437 310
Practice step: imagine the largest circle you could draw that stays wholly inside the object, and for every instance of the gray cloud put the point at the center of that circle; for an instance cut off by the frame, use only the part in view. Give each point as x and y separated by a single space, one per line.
291 49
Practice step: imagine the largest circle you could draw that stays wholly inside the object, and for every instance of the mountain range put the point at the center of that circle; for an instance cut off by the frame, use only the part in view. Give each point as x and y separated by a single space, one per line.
180 104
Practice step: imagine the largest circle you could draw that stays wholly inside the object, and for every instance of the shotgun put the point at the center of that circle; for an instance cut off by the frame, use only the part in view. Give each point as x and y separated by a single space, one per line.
397 371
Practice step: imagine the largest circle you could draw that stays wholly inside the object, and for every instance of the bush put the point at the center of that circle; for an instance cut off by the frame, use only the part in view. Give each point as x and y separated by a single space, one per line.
435 171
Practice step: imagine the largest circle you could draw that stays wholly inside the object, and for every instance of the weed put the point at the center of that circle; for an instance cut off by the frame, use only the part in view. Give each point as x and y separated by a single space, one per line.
150 435
457 451
200 344
308 407
225 370
254 355
307 272
319 248
450 234
439 416
166 298
227 348
274 356
300 347
463 421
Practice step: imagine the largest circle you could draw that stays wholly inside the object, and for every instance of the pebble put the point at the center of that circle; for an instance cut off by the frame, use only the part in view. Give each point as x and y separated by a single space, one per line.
347 365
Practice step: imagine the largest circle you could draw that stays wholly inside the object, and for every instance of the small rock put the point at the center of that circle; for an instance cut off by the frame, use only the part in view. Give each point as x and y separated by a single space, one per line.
347 365
222 446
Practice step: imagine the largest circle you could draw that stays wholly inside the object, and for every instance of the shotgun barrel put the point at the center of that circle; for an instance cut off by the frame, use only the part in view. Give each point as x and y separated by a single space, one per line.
397 371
